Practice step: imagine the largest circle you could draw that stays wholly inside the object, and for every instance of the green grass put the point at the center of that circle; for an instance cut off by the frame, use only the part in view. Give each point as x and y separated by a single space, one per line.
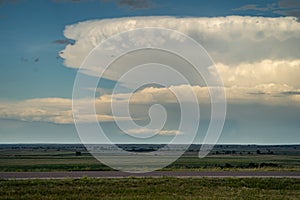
152 188
58 159
237 162
70 162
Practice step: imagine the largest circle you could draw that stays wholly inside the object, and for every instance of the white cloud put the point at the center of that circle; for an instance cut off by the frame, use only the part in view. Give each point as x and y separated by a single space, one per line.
261 72
153 131
55 110
59 111
276 94
254 55
230 40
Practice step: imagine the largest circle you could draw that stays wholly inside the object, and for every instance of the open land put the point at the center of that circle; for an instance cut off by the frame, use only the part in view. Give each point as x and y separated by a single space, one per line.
41 157
42 171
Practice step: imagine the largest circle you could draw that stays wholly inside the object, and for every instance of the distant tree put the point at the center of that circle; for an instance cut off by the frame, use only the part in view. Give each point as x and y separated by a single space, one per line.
252 165
78 153
227 165
227 152
269 151
268 165
258 151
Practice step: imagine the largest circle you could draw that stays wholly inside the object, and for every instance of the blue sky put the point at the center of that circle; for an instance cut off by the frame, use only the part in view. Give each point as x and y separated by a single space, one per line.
33 33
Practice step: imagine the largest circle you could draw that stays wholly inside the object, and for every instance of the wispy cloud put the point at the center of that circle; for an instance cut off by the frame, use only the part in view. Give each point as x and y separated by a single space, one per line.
70 1
289 7
134 4
3 2
153 131
291 93
137 4
63 41
33 59
131 4
283 7
256 7
289 4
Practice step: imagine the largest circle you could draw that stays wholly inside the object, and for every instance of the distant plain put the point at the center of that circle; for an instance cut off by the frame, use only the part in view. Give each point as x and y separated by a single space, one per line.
53 157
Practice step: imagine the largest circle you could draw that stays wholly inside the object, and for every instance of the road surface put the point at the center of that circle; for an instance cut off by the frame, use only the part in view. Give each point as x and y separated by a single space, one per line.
118 174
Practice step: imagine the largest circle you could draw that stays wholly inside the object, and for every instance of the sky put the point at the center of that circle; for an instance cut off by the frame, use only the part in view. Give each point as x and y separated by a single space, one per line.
254 44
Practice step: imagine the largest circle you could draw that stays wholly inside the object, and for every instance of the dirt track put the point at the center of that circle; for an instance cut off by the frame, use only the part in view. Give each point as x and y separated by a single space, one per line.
117 174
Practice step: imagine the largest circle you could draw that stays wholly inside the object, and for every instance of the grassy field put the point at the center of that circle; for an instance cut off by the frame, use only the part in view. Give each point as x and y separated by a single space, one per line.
73 163
152 188
36 160
222 158
63 158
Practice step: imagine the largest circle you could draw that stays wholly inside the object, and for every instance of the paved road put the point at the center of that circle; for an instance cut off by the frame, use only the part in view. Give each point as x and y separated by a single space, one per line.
117 174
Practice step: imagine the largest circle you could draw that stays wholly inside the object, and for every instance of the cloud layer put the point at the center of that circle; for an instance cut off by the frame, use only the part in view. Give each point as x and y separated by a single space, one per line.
229 40
59 111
